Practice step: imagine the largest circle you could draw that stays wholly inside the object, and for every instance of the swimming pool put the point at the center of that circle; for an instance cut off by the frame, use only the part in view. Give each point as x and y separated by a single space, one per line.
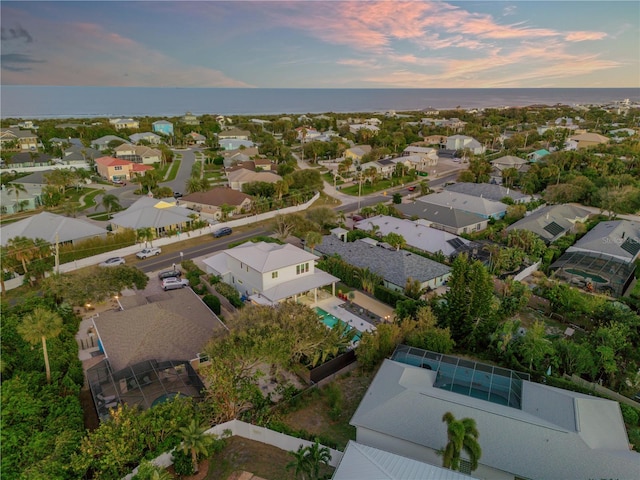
166 397
592 276
331 321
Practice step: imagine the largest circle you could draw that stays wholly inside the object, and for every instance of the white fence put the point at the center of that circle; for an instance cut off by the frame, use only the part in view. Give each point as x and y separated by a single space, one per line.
527 271
159 242
251 432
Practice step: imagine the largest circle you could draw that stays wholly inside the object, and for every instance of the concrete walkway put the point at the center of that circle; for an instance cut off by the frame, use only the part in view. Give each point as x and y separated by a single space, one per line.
376 306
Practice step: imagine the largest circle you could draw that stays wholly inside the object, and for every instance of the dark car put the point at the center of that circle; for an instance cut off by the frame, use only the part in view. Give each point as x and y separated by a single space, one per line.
222 232
169 274
177 195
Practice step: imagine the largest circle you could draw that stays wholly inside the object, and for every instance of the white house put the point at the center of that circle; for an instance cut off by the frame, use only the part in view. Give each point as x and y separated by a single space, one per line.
460 142
269 273
527 430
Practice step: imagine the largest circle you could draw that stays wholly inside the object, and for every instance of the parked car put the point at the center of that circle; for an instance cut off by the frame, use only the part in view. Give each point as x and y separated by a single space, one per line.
149 252
222 232
411 188
177 195
170 274
172 283
357 218
112 262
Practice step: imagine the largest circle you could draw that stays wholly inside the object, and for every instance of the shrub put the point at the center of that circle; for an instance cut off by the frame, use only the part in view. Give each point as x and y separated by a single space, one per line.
388 296
212 302
230 294
630 415
214 279
182 463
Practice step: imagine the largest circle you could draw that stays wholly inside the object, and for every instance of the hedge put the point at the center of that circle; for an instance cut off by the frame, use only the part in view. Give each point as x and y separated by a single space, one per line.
213 303
388 296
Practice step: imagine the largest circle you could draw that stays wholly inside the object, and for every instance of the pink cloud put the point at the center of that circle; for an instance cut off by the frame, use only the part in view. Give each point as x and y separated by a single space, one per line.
582 36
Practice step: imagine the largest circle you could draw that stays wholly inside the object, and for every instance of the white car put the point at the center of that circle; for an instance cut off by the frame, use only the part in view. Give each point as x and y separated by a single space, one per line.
112 262
172 283
149 252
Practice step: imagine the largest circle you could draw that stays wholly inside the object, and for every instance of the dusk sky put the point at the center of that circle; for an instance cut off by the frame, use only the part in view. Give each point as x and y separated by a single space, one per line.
322 44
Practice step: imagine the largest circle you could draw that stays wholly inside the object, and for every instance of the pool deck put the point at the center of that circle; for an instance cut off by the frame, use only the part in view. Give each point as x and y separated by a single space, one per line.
333 306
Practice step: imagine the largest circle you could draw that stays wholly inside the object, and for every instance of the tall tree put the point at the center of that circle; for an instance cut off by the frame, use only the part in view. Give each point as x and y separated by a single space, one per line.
195 441
110 203
313 239
462 435
16 189
146 234
37 327
395 240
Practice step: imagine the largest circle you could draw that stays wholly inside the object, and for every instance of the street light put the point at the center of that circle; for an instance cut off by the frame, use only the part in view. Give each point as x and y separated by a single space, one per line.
119 304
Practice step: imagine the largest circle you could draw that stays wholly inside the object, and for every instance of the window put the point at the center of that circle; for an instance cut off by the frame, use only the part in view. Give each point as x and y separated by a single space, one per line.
117 167
302 268
274 274
465 466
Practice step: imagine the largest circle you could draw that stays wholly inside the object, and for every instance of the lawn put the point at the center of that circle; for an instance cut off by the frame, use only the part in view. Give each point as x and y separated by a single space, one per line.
173 170
368 188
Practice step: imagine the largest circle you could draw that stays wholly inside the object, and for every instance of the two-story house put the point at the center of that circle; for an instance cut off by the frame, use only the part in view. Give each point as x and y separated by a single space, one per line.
14 139
124 123
138 153
118 170
162 127
269 273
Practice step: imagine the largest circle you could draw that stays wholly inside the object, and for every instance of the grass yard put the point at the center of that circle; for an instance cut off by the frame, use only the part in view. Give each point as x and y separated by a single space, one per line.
173 170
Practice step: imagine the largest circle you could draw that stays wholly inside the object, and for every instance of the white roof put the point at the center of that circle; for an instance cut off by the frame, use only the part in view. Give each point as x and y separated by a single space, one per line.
267 257
557 434
152 212
466 203
47 225
617 238
362 461
304 283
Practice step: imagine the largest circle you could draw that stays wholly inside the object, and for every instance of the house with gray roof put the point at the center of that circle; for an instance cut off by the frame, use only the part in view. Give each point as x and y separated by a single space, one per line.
552 221
449 219
461 142
618 238
28 200
416 234
51 228
489 191
394 266
30 159
102 143
150 137
162 215
467 203
527 430
508 162
80 155
363 461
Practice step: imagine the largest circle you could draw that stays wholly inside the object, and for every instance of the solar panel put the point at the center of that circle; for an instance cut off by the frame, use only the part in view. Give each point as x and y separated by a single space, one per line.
455 243
631 245
554 229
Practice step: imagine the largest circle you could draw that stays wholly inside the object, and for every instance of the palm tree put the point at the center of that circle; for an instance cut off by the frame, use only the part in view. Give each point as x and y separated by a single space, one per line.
300 463
195 441
17 189
317 456
23 249
312 239
146 234
38 326
193 185
462 435
369 280
110 203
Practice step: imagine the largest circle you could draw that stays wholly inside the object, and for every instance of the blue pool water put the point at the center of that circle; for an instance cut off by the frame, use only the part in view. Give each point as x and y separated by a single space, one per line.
165 397
331 321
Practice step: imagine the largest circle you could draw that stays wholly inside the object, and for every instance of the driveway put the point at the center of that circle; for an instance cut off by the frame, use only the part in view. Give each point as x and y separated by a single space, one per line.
180 182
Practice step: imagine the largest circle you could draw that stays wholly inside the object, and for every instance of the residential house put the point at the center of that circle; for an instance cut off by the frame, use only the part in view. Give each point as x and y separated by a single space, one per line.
149 137
65 142
116 169
620 134
533 157
448 219
264 164
467 203
463 142
138 154
233 157
261 122
209 204
306 134
356 127
234 134
30 159
527 429
102 143
51 228
439 140
394 266
428 156
384 167
80 155
15 139
602 260
416 234
163 127
238 178
363 461
235 144
269 273
508 162
489 191
587 140
194 138
164 216
29 200
190 119
552 221
356 152
124 123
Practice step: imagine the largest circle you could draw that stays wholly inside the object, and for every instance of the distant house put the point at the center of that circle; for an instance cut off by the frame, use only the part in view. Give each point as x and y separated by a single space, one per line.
508 162
356 152
164 216
356 127
30 159
533 157
102 143
149 137
307 134
138 154
29 200
118 170
190 119
384 167
163 127
448 219
209 204
587 140
417 234
527 429
439 140
234 134
421 157
269 273
489 191
17 140
467 203
51 228
461 142
124 123
552 222
233 157
76 155
194 138
235 144
603 260
240 177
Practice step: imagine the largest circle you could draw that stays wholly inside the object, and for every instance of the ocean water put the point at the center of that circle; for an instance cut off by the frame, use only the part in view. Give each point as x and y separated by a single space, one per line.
82 102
